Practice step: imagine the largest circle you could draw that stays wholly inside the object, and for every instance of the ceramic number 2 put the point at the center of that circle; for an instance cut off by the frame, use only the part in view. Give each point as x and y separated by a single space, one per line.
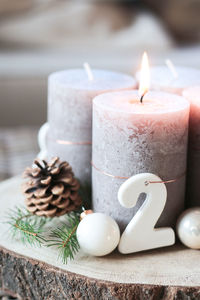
140 233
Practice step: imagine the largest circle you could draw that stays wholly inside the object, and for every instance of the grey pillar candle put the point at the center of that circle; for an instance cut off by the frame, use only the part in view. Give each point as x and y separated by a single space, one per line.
129 138
193 173
70 95
162 79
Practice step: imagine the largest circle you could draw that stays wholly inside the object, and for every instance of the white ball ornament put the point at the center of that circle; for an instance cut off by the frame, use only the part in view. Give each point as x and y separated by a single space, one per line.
98 234
188 228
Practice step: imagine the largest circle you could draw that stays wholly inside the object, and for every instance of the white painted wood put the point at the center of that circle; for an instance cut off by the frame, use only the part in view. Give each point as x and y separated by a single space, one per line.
140 233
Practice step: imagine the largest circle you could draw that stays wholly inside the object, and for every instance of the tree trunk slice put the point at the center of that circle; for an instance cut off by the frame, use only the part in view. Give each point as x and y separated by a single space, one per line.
37 273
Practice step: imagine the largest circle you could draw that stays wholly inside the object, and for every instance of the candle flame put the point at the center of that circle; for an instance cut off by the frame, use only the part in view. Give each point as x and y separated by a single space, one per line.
144 76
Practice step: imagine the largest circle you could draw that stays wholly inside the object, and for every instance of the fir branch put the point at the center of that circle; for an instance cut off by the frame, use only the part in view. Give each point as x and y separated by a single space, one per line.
30 229
27 227
64 238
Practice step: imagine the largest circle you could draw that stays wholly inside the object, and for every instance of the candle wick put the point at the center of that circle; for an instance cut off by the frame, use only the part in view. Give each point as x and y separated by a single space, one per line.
172 68
141 98
88 70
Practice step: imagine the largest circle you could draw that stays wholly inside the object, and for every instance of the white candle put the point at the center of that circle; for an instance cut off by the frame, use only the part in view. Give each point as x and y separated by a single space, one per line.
70 95
140 233
163 79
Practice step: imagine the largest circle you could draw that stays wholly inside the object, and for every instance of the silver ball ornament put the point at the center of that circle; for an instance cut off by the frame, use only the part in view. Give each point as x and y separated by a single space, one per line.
98 234
188 228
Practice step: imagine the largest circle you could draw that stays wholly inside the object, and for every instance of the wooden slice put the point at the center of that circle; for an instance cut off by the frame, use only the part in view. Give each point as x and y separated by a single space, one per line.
37 273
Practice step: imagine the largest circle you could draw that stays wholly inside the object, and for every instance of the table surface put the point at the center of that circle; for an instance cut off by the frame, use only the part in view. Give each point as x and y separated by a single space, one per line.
176 266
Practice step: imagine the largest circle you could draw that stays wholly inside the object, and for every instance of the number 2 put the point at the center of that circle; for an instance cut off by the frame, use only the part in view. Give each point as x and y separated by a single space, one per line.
140 233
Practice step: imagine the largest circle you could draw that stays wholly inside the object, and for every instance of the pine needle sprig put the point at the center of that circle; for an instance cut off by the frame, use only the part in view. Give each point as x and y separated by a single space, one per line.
27 227
64 237
31 229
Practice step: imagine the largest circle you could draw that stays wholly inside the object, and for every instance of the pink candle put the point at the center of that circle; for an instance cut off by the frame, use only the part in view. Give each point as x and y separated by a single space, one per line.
130 137
193 174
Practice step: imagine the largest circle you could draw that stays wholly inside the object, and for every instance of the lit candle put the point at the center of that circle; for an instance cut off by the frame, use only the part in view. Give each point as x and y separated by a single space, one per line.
130 137
193 172
70 97
172 79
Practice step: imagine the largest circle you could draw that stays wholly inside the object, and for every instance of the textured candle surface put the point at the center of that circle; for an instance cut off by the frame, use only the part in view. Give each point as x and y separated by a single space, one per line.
162 79
129 138
70 97
193 174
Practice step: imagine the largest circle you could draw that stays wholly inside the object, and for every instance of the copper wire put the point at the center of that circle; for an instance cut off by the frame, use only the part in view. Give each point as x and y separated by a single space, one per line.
107 174
146 182
166 181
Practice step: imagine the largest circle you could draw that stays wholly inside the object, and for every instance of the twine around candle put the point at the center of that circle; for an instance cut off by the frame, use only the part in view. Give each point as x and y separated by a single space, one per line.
63 142
146 182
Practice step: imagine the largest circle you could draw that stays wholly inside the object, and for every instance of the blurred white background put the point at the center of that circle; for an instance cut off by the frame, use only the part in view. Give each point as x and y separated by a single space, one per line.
41 36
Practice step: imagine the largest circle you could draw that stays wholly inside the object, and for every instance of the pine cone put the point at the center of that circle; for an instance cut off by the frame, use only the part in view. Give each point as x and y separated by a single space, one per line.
51 189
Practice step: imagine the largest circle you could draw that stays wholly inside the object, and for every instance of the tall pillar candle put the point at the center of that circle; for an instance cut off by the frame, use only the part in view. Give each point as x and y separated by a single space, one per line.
193 172
129 138
162 79
70 95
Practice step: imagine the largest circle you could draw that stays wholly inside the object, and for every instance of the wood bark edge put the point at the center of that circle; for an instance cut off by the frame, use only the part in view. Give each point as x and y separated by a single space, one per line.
32 279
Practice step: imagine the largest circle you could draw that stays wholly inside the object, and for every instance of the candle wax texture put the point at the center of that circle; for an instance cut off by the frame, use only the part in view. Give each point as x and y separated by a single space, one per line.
70 95
193 172
129 138
162 79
